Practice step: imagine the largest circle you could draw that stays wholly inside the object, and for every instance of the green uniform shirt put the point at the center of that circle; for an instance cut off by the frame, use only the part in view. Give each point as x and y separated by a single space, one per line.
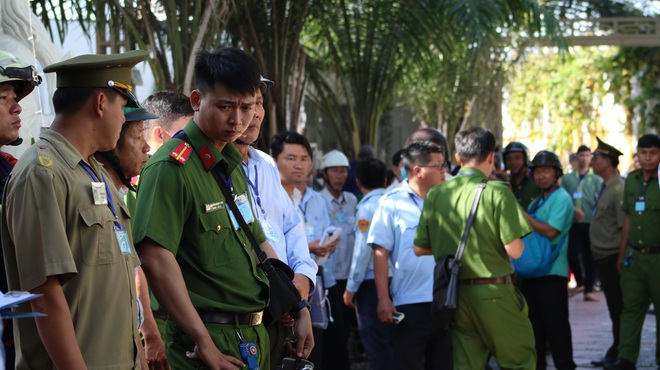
526 191
51 226
606 225
643 231
181 207
499 220
583 192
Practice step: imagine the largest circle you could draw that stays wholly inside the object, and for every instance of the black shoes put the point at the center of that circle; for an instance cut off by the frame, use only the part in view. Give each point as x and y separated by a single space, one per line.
620 364
603 361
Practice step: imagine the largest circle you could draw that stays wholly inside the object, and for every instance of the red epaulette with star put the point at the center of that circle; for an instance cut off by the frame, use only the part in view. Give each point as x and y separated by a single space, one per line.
181 152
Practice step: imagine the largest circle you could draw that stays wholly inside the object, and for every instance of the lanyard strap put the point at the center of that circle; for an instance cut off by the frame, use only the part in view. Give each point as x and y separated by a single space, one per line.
538 202
107 189
412 196
642 190
255 189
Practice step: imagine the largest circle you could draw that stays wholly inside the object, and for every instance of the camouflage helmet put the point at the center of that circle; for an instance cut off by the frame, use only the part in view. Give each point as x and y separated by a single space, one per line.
14 69
547 158
516 146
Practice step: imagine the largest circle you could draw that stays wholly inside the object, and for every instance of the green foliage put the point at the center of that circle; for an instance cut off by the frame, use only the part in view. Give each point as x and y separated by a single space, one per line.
562 91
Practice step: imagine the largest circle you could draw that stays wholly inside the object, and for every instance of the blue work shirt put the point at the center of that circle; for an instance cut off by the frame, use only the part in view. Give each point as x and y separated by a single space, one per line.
393 227
281 223
362 265
317 216
343 216
556 211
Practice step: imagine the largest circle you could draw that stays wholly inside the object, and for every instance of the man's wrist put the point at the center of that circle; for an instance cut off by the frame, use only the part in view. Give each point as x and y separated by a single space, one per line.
299 307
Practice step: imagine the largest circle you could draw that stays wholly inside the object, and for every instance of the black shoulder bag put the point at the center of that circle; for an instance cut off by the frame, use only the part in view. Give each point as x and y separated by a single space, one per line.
284 297
445 274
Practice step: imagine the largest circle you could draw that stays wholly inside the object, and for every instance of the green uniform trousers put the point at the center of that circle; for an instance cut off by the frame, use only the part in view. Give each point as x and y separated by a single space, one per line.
640 285
492 318
224 337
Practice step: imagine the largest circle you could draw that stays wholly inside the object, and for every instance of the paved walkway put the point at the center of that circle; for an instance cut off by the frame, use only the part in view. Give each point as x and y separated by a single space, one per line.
592 335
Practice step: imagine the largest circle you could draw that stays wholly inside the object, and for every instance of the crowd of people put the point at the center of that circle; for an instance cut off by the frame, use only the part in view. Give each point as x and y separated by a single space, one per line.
118 217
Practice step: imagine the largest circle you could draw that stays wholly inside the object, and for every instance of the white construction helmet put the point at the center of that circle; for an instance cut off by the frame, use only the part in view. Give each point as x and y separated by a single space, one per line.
334 158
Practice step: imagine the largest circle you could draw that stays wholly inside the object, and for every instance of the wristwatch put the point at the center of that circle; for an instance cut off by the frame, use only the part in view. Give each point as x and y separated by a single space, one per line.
302 304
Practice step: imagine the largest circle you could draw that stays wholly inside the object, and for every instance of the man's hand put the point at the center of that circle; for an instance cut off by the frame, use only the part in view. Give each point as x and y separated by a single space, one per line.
579 214
385 310
304 336
332 246
155 351
286 319
214 359
319 250
348 299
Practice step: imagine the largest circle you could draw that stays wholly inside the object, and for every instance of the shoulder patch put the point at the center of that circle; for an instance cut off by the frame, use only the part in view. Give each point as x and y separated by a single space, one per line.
181 152
363 225
45 161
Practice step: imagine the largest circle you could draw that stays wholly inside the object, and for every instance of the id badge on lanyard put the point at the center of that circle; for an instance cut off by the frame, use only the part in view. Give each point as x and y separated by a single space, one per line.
243 205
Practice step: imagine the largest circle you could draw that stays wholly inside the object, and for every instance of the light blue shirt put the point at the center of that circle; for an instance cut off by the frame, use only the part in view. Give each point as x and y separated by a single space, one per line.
343 216
557 211
282 225
362 265
393 227
317 215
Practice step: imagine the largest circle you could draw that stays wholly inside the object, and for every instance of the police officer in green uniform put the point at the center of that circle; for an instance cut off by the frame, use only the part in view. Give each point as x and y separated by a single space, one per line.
639 253
199 264
516 160
605 233
66 231
489 304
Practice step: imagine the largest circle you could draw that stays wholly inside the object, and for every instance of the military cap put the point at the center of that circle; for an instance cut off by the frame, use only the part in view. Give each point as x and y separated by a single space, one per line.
133 114
606 150
96 70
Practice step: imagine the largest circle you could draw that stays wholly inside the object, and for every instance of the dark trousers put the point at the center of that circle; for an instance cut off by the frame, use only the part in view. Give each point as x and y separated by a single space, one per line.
278 334
610 284
335 352
348 314
418 343
547 298
580 258
376 336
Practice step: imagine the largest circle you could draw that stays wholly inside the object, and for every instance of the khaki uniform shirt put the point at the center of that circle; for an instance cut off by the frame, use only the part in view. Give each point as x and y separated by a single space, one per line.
607 223
181 207
52 227
498 221
643 231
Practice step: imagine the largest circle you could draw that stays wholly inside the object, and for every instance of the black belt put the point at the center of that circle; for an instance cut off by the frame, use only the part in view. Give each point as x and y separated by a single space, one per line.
220 317
481 281
160 315
649 250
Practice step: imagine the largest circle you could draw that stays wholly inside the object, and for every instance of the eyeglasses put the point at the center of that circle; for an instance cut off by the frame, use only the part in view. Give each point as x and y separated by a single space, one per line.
442 166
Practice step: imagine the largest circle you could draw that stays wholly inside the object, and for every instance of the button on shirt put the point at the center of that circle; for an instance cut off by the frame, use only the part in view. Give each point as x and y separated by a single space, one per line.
362 265
343 216
282 225
393 227
315 211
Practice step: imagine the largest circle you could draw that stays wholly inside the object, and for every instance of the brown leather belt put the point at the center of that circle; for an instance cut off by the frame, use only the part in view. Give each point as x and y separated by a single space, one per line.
651 250
481 281
220 317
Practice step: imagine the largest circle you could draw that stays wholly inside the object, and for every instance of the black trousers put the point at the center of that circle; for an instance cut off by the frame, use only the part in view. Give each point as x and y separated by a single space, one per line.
418 343
610 284
580 258
547 298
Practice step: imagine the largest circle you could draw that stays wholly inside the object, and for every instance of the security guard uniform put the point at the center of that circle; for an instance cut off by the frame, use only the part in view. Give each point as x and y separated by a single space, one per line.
489 304
181 207
640 275
54 225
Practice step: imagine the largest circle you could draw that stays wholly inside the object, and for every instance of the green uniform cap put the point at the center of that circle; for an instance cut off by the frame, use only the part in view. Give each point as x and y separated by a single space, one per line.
96 70
606 149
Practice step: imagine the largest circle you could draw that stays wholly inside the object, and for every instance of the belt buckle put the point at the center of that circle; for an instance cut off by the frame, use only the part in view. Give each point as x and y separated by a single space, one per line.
255 318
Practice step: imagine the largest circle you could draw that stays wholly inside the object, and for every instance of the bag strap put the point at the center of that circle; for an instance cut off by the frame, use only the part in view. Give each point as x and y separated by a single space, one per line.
470 220
229 199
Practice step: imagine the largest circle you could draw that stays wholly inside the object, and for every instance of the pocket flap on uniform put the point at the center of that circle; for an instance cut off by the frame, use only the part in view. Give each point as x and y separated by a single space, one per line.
96 214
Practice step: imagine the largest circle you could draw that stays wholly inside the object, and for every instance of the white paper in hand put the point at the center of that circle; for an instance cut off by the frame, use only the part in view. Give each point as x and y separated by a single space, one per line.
330 234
